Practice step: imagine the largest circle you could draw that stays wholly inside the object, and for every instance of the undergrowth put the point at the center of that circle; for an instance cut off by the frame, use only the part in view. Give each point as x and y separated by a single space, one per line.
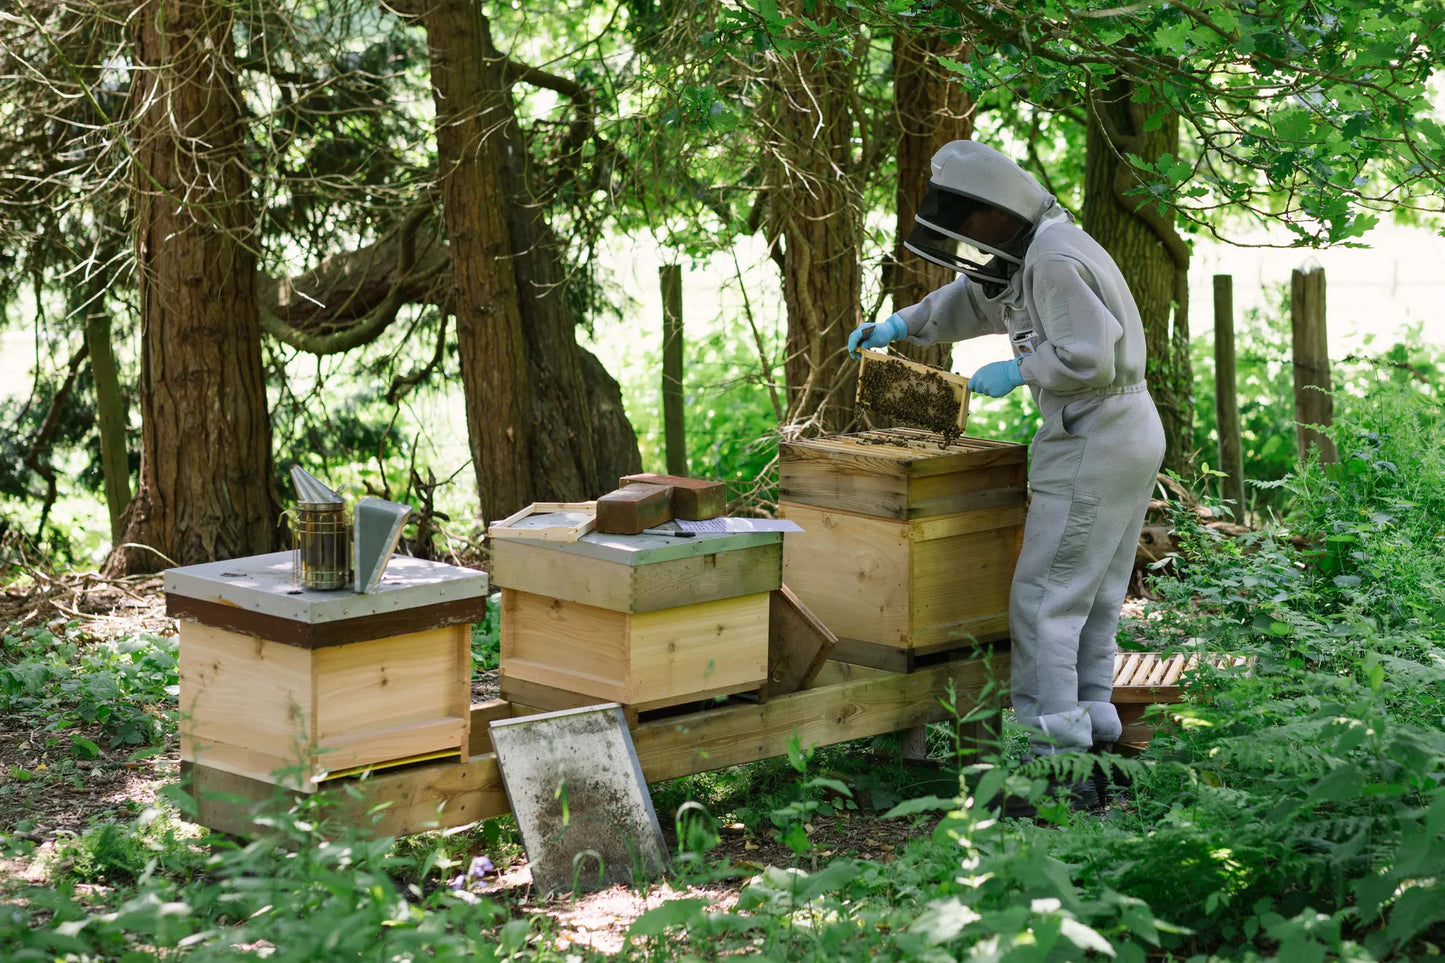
1290 808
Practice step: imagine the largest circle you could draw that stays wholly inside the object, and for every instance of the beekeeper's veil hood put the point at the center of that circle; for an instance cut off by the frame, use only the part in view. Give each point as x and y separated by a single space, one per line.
967 176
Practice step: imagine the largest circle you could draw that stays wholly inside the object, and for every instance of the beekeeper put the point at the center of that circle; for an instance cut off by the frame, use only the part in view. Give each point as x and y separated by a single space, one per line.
1028 271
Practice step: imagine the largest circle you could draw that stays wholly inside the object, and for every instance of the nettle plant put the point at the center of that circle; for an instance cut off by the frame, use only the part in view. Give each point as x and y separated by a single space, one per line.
126 686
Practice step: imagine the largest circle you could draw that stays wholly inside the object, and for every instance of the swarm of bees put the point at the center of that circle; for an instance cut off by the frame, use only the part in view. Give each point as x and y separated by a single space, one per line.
899 395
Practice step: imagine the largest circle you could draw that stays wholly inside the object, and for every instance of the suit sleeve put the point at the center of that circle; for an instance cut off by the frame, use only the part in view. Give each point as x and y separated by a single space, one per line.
1081 334
955 312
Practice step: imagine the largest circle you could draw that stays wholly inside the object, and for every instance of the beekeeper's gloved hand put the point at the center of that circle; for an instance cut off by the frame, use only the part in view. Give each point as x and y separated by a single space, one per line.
877 336
997 378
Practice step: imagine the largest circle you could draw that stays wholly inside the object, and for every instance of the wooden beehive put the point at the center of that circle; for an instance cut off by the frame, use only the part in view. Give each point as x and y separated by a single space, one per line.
908 545
293 686
644 620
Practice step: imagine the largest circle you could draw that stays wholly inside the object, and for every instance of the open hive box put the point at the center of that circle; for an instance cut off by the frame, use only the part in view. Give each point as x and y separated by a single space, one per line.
909 542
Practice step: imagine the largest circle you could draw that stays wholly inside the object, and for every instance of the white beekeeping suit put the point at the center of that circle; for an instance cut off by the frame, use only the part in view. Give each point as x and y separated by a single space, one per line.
1079 347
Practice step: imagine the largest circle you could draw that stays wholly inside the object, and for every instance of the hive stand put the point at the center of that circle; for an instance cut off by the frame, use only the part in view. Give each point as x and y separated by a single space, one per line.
717 663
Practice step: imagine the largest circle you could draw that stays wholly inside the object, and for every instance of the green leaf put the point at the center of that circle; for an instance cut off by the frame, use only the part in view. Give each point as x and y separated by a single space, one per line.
1341 784
1419 908
83 748
923 804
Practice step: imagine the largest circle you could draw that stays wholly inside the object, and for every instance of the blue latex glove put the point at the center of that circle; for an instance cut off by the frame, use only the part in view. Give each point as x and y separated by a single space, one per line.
996 379
877 336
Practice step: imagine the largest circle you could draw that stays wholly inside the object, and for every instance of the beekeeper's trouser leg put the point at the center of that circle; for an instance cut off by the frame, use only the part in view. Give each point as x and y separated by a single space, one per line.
1094 464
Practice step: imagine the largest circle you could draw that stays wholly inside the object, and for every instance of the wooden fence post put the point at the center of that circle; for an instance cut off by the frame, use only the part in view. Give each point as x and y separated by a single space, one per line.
1313 403
674 433
1226 398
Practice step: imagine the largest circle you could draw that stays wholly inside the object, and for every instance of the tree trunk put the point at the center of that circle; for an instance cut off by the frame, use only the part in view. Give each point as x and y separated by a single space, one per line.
205 489
931 111
109 404
493 350
814 223
546 422
1144 243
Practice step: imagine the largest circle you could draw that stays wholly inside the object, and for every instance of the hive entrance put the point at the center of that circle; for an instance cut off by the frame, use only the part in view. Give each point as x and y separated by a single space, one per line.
898 392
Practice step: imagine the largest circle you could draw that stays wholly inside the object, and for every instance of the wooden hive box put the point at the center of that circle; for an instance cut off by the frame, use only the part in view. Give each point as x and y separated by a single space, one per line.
292 686
643 620
908 546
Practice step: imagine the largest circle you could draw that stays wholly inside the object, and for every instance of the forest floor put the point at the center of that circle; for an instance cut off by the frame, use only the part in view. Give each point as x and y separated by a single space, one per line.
47 795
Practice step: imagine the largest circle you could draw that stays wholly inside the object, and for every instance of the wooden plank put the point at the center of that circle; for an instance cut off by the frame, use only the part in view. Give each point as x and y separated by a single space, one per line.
319 635
675 654
295 770
834 672
637 588
564 645
394 743
480 738
888 658
1124 695
852 710
969 523
798 644
820 475
226 801
389 683
536 697
432 796
926 509
251 694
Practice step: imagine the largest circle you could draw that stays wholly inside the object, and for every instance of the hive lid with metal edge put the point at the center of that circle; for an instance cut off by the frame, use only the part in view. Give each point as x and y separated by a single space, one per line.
376 526
311 490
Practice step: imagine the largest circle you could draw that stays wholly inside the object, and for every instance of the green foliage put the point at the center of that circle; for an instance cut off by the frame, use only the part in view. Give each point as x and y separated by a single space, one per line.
487 638
125 686
1264 384
301 895
731 423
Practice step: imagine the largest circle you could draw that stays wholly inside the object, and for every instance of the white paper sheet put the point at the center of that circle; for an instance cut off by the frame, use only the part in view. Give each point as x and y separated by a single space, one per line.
739 525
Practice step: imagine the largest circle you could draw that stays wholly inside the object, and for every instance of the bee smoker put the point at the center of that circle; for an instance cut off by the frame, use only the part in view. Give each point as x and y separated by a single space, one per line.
320 535
336 548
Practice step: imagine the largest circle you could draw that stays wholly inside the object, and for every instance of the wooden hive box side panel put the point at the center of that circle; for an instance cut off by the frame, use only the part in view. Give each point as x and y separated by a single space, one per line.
706 578
989 487
844 477
963 569
564 645
620 587
540 570
246 704
694 651
392 698
851 571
